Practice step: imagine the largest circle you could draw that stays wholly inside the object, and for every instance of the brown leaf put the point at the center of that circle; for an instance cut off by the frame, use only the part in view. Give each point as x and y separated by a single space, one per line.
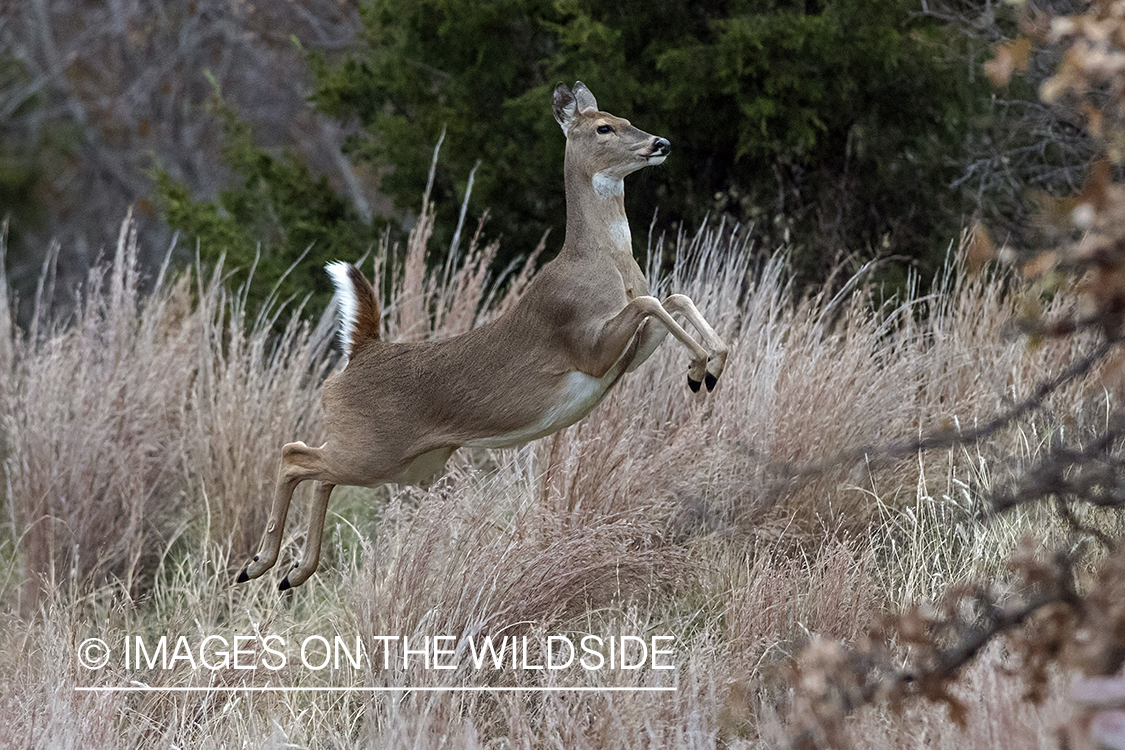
913 627
1095 121
981 251
1020 49
1040 264
936 688
1009 57
1096 189
1000 68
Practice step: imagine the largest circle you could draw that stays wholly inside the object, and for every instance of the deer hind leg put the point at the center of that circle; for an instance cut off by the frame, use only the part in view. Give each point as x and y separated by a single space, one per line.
417 470
301 570
717 359
298 463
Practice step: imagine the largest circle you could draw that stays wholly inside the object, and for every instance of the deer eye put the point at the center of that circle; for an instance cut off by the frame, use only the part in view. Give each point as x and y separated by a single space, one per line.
603 129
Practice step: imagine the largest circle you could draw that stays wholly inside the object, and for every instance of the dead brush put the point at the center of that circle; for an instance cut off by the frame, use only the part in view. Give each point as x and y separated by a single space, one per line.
92 415
773 591
1060 606
249 389
469 563
119 420
660 512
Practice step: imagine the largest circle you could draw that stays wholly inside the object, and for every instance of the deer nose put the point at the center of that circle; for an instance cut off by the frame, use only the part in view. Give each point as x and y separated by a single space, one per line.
661 146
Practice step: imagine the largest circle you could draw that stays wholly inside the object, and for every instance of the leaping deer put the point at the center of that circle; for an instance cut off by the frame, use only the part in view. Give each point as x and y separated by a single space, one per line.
398 410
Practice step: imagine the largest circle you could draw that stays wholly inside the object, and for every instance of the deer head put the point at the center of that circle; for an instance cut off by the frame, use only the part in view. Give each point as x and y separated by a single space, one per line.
604 147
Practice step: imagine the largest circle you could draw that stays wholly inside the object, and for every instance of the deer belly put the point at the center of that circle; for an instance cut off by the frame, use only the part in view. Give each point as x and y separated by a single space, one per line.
577 396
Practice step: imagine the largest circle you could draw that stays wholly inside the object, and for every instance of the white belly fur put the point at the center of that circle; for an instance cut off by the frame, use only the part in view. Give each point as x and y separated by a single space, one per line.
577 397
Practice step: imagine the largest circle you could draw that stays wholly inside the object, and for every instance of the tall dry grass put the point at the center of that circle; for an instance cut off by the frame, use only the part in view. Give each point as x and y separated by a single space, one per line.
144 415
141 437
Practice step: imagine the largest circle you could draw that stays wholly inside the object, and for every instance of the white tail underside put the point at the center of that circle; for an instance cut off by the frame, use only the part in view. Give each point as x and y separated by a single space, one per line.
346 303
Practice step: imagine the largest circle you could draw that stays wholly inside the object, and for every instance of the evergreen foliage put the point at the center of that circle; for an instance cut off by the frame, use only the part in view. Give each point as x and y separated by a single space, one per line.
23 156
833 125
276 215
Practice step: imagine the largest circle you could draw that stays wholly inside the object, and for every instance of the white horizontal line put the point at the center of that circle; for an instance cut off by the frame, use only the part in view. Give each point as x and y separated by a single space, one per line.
331 689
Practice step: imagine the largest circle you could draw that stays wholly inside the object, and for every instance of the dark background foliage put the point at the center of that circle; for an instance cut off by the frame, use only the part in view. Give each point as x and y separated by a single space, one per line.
843 129
834 126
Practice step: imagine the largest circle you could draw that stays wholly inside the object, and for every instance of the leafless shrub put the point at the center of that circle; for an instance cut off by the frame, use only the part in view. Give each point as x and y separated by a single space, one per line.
662 512
1060 608
110 91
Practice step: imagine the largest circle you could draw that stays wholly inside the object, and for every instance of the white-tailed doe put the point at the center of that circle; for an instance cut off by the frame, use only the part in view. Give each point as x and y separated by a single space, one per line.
398 410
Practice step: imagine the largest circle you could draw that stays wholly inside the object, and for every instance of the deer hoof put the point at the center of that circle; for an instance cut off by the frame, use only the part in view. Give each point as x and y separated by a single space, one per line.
284 585
253 569
710 380
694 385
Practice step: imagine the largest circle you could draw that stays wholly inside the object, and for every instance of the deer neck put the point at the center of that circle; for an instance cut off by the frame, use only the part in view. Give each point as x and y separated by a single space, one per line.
595 213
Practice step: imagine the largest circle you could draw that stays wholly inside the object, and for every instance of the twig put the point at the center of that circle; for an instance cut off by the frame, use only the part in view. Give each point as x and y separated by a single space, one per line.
947 438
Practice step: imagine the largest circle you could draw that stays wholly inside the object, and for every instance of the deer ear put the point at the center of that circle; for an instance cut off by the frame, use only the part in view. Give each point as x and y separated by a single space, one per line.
565 107
585 99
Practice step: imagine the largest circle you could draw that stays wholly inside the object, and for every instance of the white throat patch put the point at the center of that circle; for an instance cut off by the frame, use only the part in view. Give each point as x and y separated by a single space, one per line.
608 185
620 234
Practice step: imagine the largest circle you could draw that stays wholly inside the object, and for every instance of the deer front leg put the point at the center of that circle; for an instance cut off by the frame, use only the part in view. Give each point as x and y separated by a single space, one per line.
652 334
619 331
681 303
311 559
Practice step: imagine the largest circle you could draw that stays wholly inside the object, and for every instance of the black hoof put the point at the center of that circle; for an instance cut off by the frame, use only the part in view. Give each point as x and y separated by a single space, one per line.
694 385
284 585
710 380
242 577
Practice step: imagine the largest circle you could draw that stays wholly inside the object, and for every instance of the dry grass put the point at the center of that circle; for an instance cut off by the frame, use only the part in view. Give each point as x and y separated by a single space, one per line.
142 417
140 439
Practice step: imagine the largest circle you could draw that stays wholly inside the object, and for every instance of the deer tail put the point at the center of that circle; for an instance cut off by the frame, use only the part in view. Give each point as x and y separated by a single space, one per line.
359 310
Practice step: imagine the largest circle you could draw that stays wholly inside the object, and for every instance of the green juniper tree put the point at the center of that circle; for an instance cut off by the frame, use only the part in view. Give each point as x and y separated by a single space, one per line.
276 215
832 125
835 127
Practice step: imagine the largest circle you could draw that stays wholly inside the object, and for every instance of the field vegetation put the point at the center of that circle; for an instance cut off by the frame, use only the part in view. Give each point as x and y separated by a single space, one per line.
141 436
895 523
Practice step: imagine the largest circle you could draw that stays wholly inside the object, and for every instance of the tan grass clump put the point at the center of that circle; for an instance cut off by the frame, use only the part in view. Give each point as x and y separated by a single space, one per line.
141 438
145 415
92 418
